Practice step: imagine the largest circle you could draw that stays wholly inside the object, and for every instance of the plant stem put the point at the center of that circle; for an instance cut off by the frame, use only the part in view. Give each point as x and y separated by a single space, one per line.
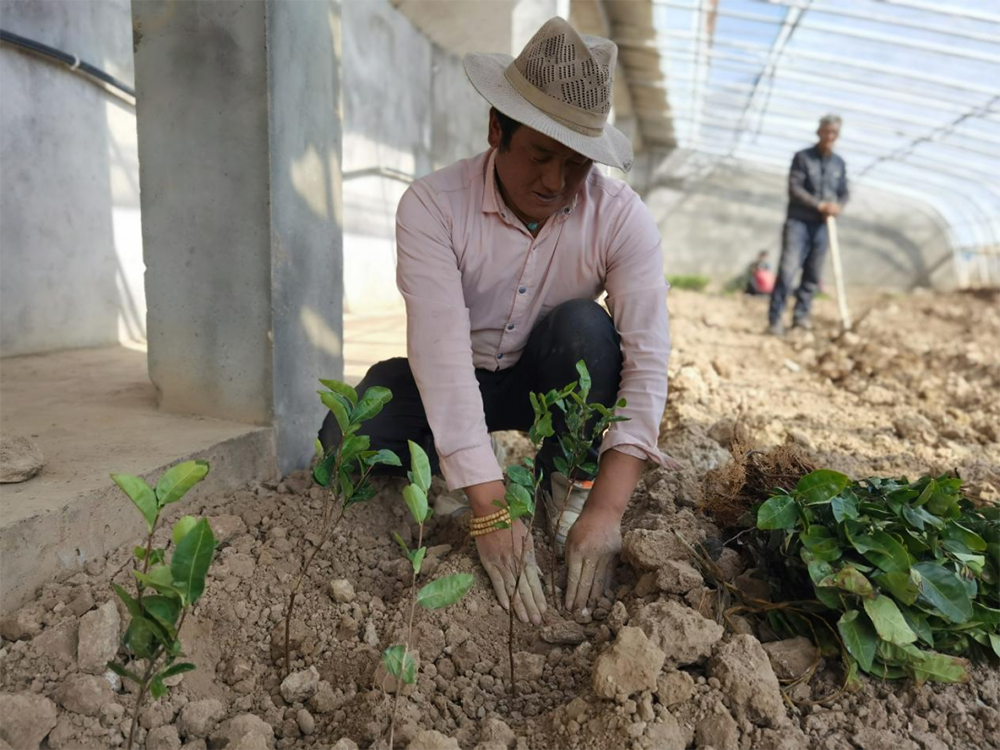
298 583
406 643
562 510
138 700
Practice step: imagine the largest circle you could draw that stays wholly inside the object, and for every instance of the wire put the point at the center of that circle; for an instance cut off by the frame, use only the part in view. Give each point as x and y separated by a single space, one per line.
72 62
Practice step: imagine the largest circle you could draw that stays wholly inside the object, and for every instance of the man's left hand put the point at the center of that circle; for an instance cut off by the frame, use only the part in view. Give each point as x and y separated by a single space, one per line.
592 549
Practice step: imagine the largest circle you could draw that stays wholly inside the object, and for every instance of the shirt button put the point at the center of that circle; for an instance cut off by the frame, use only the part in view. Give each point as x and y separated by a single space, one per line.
504 216
500 355
510 327
522 290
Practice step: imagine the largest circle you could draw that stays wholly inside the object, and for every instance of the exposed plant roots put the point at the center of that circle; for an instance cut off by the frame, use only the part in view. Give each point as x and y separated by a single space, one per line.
733 489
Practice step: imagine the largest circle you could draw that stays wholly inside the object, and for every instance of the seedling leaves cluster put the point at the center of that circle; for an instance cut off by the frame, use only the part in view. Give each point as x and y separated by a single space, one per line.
910 570
156 619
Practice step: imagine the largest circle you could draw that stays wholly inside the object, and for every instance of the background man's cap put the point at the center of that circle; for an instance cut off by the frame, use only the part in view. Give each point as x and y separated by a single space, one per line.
560 85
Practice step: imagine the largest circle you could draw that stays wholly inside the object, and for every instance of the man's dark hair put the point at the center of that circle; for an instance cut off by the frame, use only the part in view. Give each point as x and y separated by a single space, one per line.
507 128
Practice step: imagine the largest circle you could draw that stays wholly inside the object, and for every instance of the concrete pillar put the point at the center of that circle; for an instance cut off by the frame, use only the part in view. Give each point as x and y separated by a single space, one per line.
239 126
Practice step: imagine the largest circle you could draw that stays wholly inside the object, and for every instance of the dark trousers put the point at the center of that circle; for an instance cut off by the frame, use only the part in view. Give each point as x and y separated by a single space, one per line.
574 330
804 245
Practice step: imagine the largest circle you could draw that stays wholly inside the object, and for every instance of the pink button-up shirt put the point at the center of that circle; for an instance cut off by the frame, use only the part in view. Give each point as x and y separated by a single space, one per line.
476 282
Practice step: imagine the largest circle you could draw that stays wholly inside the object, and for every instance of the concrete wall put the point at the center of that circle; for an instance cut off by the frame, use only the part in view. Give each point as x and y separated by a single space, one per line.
70 243
240 145
408 107
714 220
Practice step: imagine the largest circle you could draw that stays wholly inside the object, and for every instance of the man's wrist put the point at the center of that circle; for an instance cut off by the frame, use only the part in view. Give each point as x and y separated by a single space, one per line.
482 497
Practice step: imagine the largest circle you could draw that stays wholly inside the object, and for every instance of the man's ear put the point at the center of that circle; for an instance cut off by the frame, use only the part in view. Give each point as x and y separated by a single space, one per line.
495 133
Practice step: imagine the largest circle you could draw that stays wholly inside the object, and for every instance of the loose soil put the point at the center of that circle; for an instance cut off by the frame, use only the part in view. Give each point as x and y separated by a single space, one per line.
913 390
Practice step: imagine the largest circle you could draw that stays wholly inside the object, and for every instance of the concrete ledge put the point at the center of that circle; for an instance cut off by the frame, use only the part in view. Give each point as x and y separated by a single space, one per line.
93 412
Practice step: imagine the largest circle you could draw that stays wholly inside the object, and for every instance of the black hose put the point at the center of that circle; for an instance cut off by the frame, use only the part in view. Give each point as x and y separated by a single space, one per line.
73 62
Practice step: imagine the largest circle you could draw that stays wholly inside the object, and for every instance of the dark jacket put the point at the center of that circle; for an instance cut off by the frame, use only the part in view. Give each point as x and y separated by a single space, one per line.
812 180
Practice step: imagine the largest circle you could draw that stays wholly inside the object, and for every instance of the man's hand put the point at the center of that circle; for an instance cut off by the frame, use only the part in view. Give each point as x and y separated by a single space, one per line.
500 556
592 549
829 208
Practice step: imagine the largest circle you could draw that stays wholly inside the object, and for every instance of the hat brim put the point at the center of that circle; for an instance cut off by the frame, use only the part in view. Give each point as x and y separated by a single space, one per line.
486 73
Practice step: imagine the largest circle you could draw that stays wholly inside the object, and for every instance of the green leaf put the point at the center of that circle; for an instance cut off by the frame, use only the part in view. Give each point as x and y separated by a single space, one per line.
401 543
883 550
995 643
561 466
821 486
584 380
164 609
337 408
182 527
941 668
417 559
944 591
444 591
177 480
903 586
398 661
961 534
131 604
191 561
141 494
125 673
944 503
859 637
779 512
541 428
918 624
850 579
371 403
917 517
140 638
384 457
342 388
420 466
361 494
157 689
519 502
416 501
820 543
323 471
520 475
318 447
888 620
844 506
175 669
352 446
167 589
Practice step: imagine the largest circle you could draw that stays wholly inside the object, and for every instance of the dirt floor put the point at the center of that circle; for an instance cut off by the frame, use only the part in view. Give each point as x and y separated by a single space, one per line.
913 390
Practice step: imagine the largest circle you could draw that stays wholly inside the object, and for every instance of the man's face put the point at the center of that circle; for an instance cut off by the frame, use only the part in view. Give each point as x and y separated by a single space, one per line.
539 175
828 135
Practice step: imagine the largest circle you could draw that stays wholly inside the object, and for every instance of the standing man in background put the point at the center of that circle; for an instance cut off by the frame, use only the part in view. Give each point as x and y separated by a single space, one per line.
817 188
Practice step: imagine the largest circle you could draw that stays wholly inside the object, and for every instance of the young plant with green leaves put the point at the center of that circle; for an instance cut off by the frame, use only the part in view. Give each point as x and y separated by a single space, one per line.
911 569
437 594
344 469
521 499
585 424
165 590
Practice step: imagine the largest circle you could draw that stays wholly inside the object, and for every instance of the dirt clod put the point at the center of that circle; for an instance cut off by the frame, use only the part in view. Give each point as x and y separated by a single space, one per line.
27 719
745 675
630 666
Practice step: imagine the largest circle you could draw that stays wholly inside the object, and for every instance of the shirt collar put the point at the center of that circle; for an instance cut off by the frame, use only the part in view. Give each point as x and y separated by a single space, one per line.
493 201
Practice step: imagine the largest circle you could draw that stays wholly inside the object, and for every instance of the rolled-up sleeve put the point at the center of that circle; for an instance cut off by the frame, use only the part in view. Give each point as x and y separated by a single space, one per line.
439 340
637 299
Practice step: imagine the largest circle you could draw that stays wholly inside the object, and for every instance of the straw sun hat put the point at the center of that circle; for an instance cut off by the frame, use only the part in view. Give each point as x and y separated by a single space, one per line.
560 85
